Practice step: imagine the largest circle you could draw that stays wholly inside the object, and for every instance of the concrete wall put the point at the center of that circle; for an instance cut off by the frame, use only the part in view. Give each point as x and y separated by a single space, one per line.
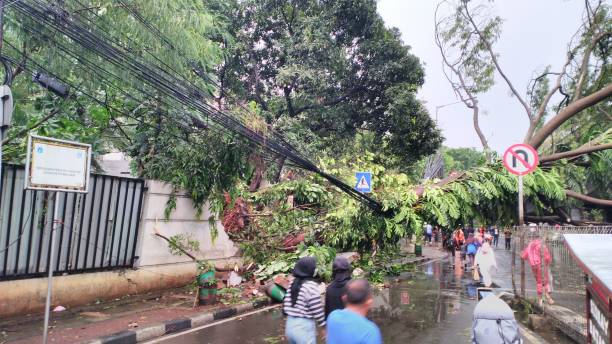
155 269
28 296
153 250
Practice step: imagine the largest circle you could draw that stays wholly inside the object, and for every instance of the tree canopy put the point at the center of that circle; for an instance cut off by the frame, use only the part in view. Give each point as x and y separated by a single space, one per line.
567 109
298 68
325 71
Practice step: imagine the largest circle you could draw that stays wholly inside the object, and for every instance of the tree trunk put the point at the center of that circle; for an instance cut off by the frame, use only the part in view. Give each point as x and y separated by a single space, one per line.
260 168
280 162
568 112
602 203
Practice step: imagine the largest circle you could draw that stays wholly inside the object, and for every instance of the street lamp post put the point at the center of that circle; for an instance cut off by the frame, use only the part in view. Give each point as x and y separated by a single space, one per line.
445 105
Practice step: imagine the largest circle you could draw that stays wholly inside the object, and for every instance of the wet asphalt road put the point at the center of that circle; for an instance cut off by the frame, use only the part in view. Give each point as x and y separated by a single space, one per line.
432 305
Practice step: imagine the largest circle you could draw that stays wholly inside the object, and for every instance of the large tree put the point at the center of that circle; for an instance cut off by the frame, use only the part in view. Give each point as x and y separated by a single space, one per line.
110 106
568 110
325 71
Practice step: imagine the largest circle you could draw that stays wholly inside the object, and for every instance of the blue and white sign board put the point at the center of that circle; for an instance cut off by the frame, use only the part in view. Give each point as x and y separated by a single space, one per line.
57 165
364 182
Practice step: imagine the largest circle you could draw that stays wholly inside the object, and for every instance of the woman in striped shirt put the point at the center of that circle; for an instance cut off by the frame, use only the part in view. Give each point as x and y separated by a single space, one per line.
302 304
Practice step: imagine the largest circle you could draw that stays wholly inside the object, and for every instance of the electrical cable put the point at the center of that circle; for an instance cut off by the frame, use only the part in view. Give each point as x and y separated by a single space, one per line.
156 32
88 95
170 85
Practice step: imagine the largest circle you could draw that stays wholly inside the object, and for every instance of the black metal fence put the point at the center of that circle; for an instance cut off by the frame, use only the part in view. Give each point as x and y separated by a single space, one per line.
96 231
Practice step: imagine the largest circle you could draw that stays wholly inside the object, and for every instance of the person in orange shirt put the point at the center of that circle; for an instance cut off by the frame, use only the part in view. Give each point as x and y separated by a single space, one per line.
458 241
458 238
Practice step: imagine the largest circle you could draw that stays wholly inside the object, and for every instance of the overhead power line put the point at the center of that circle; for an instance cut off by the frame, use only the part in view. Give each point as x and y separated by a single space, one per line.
79 30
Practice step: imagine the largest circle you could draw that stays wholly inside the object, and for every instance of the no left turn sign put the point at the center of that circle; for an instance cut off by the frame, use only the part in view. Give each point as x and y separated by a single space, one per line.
520 159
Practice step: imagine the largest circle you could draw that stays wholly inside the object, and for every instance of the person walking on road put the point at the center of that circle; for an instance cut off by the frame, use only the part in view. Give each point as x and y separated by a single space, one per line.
508 237
495 236
485 261
533 254
341 275
471 249
302 304
458 239
350 325
428 233
458 242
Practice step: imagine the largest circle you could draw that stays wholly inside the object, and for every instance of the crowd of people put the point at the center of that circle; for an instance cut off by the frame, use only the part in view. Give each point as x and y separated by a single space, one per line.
342 319
473 248
342 316
477 247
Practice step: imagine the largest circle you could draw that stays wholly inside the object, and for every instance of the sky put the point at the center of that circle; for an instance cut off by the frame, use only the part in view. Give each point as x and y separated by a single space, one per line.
535 34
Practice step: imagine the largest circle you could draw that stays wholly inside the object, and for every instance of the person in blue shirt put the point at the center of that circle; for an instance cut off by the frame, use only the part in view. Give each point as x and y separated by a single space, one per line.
350 325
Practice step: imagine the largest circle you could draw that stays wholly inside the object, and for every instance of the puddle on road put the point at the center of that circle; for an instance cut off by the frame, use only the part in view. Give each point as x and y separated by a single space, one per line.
432 305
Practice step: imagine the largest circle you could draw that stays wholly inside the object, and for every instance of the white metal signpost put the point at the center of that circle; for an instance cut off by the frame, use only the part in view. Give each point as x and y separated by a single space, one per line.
520 159
56 165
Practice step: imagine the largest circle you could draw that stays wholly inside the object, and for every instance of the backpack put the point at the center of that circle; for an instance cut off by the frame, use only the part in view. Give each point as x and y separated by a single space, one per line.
494 323
471 248
450 242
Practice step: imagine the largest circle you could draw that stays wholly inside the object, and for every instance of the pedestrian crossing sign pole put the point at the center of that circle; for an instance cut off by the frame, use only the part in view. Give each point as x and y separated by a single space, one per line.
364 182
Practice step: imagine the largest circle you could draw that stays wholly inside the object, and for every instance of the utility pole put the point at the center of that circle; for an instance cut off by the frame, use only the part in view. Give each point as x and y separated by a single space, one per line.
3 122
1 23
6 97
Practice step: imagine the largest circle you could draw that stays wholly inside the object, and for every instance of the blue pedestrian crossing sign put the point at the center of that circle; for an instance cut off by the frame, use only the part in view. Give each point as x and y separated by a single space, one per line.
364 182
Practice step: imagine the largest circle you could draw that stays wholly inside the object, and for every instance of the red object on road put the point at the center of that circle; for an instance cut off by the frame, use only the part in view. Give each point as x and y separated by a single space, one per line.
292 241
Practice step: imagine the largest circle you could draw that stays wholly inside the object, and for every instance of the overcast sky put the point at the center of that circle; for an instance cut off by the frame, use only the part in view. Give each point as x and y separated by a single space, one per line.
535 34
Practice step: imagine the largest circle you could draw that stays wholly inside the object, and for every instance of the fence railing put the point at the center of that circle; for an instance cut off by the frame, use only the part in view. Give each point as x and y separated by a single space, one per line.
565 278
97 230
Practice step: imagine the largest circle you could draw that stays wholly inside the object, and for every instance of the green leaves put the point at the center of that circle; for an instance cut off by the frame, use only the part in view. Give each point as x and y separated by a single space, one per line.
284 263
327 72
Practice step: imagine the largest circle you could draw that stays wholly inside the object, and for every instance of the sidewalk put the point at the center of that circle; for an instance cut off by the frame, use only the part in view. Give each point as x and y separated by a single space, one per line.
86 323
430 252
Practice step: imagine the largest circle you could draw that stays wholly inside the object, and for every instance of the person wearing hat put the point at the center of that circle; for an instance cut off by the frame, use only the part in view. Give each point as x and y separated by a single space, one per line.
341 274
485 260
302 304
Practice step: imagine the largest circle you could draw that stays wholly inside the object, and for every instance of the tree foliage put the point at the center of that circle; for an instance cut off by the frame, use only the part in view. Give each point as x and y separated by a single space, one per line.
323 78
564 131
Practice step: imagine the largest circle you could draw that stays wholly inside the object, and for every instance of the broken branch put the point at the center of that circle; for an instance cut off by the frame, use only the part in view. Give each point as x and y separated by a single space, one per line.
588 199
575 153
569 111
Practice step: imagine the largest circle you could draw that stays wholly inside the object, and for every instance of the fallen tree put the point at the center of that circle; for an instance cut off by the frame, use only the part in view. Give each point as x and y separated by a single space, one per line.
466 40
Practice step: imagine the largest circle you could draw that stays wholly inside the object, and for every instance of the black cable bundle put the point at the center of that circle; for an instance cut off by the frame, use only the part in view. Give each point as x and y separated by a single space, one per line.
154 79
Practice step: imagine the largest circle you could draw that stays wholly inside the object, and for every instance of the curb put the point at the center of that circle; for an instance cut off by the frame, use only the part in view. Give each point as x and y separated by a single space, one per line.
177 325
